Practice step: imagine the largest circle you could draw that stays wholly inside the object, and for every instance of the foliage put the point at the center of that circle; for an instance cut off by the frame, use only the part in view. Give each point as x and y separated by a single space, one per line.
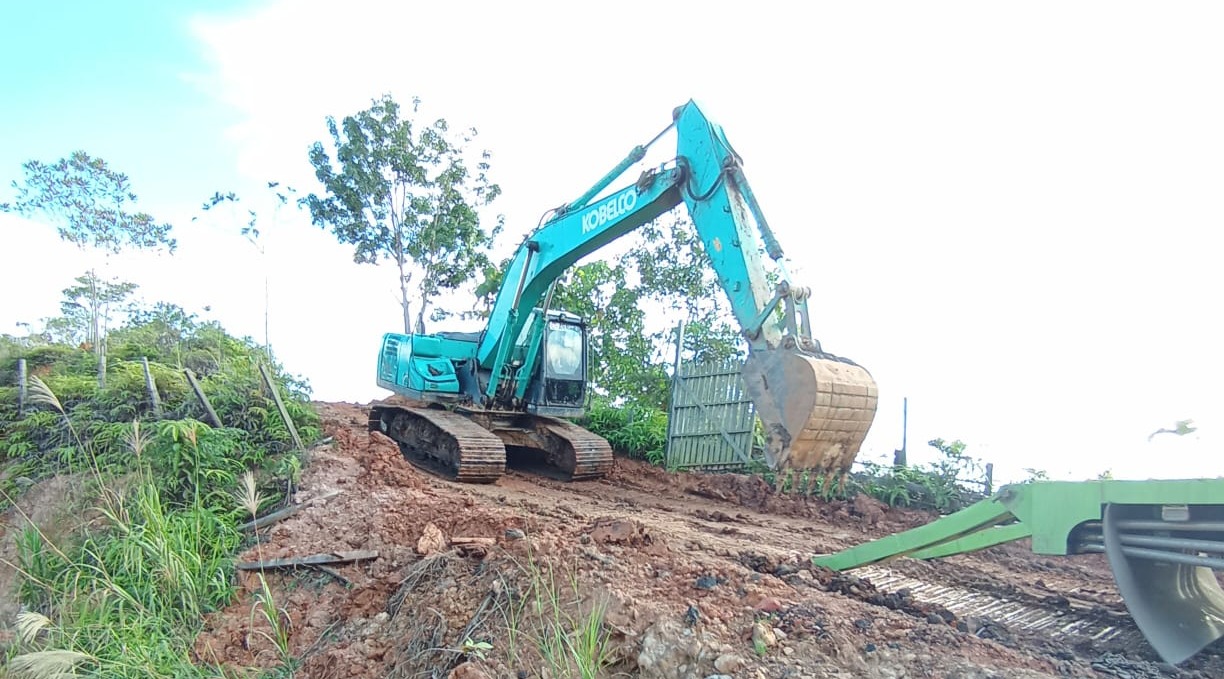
250 229
127 599
620 349
564 641
634 430
172 340
665 270
88 200
1180 428
87 309
951 482
404 192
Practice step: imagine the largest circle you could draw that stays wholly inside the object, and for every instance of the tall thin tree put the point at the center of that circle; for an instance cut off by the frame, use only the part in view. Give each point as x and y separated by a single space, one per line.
92 207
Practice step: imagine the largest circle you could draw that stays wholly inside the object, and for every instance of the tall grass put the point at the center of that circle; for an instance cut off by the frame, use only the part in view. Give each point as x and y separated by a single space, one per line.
547 623
277 618
127 599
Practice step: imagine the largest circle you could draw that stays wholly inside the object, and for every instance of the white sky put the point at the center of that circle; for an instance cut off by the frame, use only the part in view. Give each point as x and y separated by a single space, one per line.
1007 213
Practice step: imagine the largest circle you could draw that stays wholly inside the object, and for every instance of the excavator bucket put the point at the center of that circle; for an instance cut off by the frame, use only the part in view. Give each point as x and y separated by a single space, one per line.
816 409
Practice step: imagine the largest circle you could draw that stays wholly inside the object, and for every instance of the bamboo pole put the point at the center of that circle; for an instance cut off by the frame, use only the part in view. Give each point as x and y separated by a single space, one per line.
280 405
154 399
195 386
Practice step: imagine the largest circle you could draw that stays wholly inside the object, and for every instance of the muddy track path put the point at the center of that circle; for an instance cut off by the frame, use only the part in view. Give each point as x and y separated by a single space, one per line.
688 563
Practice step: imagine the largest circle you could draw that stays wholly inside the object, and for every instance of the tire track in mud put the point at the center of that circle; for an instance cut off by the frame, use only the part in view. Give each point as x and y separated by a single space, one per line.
1056 619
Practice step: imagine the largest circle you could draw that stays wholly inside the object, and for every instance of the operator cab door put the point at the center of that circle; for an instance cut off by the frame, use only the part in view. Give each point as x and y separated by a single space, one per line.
562 375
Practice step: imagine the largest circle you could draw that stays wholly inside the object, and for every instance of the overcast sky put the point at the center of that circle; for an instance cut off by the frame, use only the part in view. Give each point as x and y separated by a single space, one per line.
1008 212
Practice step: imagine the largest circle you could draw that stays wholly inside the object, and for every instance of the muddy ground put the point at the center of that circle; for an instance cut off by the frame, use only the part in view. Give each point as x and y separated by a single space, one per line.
696 575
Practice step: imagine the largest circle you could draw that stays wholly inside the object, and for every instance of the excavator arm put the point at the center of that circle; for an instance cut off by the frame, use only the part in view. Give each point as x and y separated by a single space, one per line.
816 407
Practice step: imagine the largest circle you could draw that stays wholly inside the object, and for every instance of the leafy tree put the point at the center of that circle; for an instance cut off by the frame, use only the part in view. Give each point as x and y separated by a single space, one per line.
621 350
90 204
675 276
87 308
403 192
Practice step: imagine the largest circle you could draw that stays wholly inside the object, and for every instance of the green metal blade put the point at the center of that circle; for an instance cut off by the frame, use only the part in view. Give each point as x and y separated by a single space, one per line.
1178 607
987 537
975 517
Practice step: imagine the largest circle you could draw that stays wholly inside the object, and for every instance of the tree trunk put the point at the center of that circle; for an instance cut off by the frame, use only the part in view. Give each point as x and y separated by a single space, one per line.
101 366
399 260
420 324
95 308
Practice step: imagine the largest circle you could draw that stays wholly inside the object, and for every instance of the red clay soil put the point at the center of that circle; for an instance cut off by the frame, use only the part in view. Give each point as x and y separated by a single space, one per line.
699 575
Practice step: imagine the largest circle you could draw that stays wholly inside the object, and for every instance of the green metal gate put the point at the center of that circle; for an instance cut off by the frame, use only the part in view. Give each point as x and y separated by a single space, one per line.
710 421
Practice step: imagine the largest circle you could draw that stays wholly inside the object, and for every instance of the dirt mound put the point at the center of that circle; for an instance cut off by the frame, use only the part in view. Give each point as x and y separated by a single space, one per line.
650 573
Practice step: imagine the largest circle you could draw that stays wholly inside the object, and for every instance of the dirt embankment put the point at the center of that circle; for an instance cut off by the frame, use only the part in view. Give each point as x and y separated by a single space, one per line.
696 576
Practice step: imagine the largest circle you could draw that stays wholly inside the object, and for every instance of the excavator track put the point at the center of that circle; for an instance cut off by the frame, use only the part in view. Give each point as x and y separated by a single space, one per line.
575 452
442 442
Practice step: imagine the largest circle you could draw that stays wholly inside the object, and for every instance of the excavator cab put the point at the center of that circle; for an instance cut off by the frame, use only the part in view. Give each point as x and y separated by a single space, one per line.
559 387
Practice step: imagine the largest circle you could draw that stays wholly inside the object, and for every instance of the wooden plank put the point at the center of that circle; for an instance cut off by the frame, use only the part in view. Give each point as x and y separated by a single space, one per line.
280 405
282 514
487 542
312 560
151 387
195 386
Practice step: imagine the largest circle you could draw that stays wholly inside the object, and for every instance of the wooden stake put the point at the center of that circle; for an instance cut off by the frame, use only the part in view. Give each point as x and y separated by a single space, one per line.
21 387
154 399
195 386
280 405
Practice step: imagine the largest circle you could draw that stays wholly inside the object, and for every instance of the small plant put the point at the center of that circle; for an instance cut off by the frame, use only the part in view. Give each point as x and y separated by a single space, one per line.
277 618
476 649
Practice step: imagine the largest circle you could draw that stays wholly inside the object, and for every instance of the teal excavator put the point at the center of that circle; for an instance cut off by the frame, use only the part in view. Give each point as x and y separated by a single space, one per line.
465 397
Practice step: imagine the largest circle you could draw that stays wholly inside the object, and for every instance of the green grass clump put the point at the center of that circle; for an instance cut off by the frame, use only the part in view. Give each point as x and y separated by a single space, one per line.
634 430
548 622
